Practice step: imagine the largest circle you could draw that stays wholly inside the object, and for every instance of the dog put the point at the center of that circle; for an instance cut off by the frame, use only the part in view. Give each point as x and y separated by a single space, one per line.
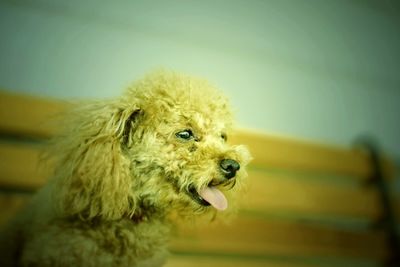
122 166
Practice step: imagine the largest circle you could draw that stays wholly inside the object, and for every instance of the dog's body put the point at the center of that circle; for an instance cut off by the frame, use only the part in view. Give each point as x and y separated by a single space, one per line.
122 167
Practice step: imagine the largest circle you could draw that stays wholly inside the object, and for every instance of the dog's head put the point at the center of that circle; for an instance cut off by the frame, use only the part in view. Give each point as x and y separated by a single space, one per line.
161 147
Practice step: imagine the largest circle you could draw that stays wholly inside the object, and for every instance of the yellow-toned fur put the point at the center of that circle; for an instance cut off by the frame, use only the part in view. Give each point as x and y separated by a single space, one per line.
121 171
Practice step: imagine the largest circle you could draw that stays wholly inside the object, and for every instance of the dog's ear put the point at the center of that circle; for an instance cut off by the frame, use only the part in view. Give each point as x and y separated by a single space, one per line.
130 125
92 174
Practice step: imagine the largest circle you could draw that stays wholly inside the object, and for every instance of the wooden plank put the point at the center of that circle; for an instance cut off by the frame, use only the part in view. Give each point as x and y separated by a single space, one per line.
261 237
216 260
10 204
20 167
286 153
27 116
210 261
283 192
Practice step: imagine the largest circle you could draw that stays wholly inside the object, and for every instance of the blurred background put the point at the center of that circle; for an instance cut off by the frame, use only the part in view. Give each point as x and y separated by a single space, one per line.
322 71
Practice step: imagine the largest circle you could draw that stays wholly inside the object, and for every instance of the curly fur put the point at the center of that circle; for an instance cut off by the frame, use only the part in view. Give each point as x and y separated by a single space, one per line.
121 171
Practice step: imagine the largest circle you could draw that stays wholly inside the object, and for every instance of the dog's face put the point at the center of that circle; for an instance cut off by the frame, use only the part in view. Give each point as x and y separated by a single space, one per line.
163 146
178 145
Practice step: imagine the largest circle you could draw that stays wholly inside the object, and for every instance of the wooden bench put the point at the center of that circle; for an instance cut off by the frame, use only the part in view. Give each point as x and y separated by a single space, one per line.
307 204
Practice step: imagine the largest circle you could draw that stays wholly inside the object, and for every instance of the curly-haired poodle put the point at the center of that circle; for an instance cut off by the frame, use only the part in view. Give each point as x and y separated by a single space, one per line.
122 167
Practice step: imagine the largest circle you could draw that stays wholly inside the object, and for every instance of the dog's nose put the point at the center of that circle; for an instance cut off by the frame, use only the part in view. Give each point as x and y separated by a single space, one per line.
229 167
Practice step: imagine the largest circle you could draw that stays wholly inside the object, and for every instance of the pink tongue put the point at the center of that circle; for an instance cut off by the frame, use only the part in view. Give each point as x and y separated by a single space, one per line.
215 197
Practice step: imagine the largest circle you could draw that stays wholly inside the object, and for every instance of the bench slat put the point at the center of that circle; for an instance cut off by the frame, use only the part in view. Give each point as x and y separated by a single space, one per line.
247 235
283 192
28 116
224 261
20 168
286 153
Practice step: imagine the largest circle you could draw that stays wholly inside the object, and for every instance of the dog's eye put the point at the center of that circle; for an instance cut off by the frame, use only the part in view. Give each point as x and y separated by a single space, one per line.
224 137
185 134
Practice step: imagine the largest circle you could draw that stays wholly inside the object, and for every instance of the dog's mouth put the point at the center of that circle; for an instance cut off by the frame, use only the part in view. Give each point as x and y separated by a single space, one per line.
210 195
192 192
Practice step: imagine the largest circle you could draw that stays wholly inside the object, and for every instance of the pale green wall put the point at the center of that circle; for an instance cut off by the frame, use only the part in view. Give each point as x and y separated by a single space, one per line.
322 70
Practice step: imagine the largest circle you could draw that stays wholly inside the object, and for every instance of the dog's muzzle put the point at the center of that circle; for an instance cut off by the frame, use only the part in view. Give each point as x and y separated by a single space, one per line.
211 195
229 167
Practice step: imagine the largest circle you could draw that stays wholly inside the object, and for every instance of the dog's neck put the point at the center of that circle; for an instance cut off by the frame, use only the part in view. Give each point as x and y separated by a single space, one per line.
146 212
